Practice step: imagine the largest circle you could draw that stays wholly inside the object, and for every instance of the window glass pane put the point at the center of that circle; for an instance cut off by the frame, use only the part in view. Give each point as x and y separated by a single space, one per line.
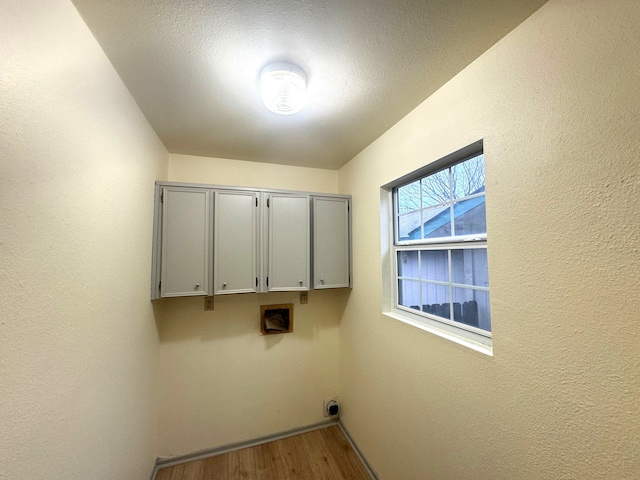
468 177
434 265
436 222
408 264
473 307
436 188
409 226
435 300
409 197
442 276
470 267
409 294
470 216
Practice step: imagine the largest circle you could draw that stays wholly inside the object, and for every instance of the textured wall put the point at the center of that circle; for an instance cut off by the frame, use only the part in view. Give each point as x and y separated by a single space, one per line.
221 171
78 341
220 381
556 103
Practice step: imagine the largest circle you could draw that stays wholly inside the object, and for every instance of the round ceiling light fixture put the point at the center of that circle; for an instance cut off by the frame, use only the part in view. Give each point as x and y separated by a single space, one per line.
284 88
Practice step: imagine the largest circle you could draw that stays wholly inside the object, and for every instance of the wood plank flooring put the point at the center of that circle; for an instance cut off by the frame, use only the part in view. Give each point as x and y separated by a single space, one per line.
323 454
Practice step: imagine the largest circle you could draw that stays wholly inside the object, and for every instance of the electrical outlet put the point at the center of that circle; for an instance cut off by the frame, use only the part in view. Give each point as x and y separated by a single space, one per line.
304 298
325 406
208 303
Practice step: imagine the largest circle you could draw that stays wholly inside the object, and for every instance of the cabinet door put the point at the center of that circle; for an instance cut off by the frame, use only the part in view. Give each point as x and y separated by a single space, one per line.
235 246
289 242
186 235
330 242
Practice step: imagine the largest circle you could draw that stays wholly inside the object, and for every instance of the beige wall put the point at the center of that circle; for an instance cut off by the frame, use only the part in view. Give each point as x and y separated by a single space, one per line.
240 173
556 103
220 381
78 341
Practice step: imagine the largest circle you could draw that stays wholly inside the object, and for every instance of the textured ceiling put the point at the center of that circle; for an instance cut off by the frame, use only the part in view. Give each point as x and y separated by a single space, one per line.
193 67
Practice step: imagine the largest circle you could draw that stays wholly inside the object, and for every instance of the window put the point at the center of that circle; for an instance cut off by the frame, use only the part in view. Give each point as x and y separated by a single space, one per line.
439 246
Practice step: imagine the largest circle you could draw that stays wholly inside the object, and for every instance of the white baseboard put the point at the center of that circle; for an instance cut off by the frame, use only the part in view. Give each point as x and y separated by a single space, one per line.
362 458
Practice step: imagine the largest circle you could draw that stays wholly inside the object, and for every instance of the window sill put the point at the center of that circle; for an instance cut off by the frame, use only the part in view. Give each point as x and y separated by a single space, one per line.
478 347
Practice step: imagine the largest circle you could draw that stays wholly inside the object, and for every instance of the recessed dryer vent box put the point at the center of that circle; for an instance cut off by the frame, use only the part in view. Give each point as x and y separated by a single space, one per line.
276 319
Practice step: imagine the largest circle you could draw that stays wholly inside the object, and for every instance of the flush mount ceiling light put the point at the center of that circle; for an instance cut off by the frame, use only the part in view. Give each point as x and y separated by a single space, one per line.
284 88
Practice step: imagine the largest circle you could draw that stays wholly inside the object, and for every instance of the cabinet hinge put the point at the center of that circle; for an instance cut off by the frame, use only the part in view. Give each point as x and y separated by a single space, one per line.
160 286
256 201
267 281
256 281
162 197
267 203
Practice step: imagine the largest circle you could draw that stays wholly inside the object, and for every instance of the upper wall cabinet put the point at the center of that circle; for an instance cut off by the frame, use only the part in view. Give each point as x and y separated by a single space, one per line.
331 259
186 241
236 242
221 240
289 242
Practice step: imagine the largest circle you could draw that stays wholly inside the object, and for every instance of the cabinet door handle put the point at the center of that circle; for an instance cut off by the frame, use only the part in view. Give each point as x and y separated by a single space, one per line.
322 281
197 286
224 285
300 281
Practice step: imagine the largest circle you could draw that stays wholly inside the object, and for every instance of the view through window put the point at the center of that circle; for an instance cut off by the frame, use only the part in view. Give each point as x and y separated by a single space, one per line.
440 246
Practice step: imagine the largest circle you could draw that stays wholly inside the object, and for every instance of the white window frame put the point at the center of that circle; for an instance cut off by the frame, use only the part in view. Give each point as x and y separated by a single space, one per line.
467 335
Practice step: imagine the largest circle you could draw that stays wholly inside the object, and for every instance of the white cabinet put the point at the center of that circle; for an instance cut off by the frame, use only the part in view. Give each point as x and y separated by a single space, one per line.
236 242
331 267
220 240
186 241
289 242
